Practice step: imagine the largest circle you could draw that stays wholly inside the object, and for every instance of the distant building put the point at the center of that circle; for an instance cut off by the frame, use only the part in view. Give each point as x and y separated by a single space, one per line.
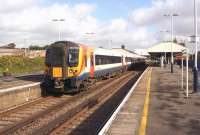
11 52
35 53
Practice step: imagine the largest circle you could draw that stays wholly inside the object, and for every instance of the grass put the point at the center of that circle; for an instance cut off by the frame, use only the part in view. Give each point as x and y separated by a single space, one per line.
18 64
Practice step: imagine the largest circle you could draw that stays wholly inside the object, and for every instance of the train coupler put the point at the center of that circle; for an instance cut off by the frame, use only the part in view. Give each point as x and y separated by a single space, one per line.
58 83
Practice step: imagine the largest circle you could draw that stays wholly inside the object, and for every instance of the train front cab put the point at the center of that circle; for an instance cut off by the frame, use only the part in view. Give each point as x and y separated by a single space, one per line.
65 62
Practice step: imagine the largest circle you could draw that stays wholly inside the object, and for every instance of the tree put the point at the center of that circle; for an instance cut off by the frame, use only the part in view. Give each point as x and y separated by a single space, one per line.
123 46
36 47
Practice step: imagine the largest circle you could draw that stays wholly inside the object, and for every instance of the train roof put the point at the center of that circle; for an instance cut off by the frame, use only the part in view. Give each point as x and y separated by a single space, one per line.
128 53
108 52
103 51
62 44
117 52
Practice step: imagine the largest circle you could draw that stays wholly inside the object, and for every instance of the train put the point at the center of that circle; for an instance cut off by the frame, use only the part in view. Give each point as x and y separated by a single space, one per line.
68 65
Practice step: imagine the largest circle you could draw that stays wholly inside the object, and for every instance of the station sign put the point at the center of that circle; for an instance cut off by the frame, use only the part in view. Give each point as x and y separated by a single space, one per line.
179 57
182 55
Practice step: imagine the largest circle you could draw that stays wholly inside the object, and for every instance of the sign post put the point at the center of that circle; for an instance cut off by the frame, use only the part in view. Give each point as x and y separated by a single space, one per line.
187 72
182 73
195 39
185 53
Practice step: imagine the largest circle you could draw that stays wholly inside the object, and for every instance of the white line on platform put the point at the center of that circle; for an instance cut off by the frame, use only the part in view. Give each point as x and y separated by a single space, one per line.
19 87
112 118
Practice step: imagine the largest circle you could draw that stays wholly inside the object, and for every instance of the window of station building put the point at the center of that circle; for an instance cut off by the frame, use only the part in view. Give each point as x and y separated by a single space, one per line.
103 59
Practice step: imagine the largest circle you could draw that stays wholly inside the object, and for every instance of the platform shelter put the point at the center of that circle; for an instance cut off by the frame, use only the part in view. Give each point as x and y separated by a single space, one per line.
162 51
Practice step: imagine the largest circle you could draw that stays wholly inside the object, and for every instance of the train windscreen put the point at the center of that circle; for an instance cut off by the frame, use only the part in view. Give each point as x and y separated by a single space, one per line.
73 56
54 57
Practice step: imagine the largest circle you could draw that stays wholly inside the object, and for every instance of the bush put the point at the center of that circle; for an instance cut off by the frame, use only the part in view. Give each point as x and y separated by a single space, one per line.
18 64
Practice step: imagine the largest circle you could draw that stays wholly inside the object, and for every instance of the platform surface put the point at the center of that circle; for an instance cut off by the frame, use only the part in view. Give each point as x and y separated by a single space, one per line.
169 111
14 81
127 120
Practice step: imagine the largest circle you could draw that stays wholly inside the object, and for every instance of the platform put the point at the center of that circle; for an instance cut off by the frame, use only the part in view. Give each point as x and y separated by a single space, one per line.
17 90
158 106
14 81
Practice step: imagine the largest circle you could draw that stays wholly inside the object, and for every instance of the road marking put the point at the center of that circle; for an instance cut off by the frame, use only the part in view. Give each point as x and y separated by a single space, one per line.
143 124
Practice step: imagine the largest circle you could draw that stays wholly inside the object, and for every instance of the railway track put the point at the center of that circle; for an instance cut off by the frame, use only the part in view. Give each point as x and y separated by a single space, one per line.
50 114
90 121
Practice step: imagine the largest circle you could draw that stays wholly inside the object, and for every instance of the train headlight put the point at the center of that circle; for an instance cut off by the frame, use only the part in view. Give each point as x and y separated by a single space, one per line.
71 71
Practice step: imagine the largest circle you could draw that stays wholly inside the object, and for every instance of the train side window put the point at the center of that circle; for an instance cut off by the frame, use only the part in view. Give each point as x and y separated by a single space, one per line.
97 60
103 60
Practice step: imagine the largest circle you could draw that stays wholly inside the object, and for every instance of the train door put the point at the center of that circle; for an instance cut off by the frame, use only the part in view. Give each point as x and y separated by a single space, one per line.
122 59
92 64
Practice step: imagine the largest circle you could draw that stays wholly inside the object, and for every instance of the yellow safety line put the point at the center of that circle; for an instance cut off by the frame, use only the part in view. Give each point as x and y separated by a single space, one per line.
143 124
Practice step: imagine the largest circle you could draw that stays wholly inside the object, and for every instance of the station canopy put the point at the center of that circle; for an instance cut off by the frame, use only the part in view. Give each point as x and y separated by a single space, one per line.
166 47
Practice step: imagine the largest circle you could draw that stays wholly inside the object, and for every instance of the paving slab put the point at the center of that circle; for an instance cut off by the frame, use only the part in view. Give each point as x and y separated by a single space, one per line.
127 120
170 111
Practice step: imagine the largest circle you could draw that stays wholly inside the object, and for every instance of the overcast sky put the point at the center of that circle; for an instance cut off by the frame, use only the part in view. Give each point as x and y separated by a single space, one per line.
135 23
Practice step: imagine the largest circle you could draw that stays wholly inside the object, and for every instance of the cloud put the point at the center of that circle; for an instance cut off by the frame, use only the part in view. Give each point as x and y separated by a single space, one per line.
28 22
34 24
16 5
153 16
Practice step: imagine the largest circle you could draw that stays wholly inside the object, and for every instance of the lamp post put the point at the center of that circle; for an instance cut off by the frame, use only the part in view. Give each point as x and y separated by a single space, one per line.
195 68
165 31
58 20
172 34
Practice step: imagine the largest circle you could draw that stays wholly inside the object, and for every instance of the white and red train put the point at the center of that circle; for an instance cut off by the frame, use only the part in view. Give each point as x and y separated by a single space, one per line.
68 64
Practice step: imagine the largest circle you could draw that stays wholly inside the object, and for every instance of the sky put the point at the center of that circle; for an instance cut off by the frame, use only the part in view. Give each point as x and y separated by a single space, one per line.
133 23
108 9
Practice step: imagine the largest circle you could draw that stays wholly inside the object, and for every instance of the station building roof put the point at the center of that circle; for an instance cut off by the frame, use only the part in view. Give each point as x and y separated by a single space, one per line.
166 47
